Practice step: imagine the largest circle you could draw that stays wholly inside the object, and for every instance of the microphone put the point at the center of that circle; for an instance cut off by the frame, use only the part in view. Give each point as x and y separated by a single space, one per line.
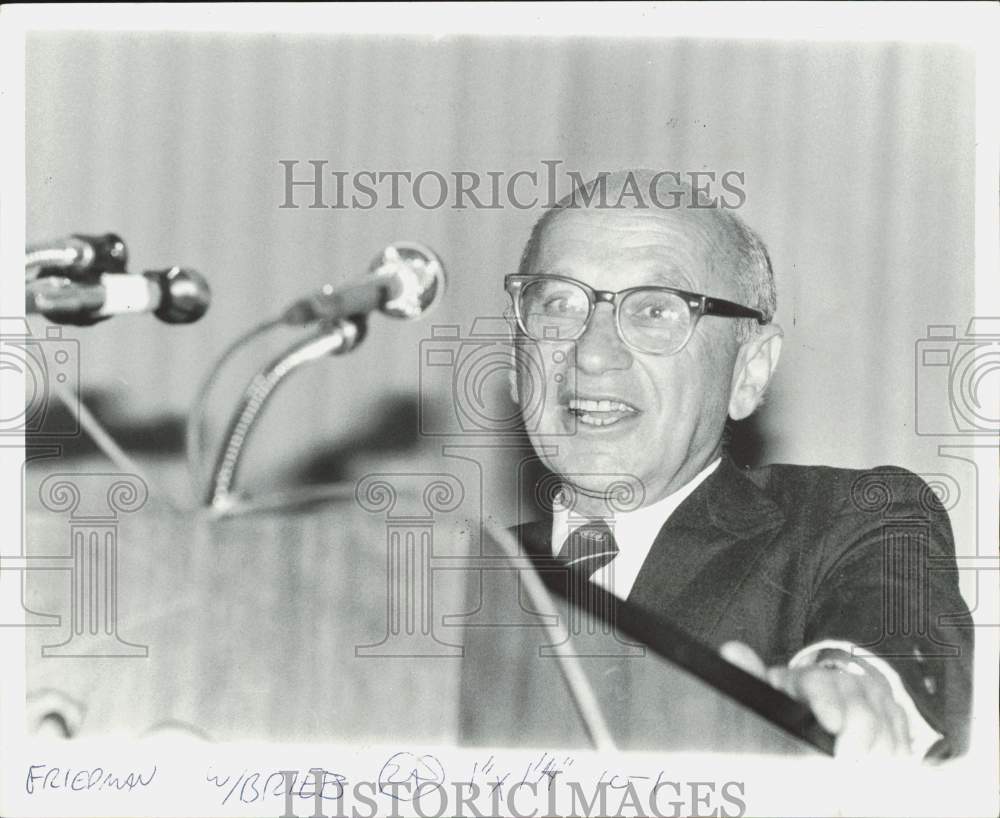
405 281
175 296
78 254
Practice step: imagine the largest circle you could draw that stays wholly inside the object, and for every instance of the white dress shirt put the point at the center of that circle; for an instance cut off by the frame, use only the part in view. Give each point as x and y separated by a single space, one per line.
634 533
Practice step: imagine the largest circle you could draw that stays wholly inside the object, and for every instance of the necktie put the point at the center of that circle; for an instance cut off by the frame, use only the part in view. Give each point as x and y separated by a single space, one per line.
588 549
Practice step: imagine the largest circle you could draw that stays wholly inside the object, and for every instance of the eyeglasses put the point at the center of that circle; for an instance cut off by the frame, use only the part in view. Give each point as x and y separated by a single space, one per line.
656 320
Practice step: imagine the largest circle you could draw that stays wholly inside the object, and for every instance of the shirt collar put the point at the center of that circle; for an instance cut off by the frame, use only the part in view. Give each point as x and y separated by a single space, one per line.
634 533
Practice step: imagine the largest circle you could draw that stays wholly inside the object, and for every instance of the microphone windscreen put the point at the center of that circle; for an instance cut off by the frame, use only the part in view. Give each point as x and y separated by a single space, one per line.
184 295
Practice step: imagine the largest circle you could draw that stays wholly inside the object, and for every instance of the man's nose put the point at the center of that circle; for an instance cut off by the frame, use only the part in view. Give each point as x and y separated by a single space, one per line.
600 348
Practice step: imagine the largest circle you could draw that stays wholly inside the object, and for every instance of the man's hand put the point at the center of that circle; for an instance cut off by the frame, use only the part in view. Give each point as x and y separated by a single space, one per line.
857 708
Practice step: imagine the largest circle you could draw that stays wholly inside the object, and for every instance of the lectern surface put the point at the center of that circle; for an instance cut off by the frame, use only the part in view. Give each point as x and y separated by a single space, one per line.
334 621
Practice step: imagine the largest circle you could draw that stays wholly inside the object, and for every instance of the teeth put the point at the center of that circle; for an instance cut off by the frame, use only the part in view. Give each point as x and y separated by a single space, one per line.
599 412
581 405
593 420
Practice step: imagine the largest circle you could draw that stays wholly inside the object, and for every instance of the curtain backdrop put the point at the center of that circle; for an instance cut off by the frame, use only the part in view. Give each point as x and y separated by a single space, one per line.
858 163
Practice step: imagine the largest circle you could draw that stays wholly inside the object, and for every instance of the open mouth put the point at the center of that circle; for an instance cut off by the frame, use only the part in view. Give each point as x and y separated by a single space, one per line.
602 412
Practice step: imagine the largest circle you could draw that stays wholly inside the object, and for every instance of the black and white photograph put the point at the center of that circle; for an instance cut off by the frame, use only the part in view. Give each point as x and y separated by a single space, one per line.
500 410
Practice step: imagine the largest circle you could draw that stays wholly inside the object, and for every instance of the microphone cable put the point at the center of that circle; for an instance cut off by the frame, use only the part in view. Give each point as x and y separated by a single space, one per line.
332 339
195 429
580 689
109 447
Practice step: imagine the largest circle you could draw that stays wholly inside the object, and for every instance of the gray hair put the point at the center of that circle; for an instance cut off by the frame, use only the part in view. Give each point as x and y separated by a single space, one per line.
747 260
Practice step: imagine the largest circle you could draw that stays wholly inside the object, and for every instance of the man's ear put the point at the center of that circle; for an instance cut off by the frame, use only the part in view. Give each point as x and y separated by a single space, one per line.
755 364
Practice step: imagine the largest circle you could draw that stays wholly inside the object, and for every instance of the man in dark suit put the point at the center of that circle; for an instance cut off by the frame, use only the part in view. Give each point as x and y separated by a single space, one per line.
649 312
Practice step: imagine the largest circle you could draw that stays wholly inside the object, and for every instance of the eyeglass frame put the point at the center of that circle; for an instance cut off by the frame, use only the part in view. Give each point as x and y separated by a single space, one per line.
698 305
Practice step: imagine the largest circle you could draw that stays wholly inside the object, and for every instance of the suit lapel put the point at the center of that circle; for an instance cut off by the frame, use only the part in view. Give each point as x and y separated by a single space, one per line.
705 551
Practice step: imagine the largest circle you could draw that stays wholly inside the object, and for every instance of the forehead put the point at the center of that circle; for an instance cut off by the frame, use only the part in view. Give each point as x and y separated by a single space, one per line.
615 249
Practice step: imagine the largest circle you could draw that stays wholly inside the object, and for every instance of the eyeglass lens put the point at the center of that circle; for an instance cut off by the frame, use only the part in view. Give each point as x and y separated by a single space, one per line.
650 319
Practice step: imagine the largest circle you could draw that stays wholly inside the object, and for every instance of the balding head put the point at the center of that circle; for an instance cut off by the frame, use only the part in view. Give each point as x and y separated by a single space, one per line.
733 252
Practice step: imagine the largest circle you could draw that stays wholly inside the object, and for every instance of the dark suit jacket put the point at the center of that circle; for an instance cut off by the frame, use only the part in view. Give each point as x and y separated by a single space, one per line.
783 556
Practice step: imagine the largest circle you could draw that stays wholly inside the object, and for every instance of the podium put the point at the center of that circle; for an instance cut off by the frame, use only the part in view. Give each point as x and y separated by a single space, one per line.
247 627
374 617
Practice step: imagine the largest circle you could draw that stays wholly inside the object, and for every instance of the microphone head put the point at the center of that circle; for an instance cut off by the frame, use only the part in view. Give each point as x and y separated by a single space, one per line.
419 277
83 258
184 295
109 253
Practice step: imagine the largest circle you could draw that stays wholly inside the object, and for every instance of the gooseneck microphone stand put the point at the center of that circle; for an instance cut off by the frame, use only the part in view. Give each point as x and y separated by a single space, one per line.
404 281
335 339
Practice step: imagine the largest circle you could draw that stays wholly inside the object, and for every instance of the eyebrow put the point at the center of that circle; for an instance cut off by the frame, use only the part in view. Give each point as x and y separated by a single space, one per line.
669 279
658 275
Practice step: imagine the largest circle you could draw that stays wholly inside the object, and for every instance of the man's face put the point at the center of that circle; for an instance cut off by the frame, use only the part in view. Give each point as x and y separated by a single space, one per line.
675 406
